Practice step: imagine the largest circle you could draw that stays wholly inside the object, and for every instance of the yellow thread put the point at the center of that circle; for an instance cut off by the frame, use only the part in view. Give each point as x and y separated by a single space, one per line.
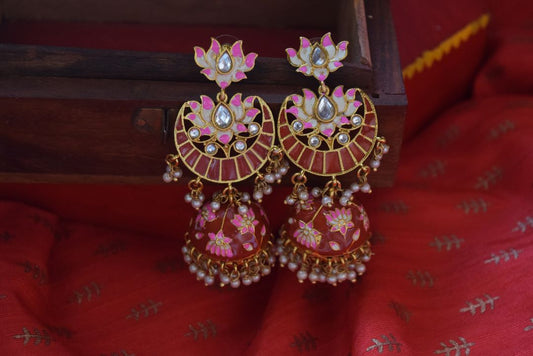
427 58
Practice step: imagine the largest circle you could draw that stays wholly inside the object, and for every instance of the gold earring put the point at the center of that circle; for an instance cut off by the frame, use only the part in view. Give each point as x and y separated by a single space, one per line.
226 141
328 134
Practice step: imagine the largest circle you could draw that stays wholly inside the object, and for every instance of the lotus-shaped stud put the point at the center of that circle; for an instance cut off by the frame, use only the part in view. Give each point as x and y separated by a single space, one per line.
225 64
318 59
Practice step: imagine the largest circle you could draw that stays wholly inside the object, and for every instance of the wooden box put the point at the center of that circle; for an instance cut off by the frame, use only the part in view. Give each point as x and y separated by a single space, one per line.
89 90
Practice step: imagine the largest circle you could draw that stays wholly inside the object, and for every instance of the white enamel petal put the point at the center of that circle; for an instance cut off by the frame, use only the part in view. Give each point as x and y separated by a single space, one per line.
352 107
340 54
224 137
334 65
224 80
249 102
339 99
249 115
235 104
320 73
327 129
309 102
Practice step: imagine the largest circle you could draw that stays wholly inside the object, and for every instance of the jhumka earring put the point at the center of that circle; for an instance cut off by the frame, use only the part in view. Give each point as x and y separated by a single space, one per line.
325 238
225 141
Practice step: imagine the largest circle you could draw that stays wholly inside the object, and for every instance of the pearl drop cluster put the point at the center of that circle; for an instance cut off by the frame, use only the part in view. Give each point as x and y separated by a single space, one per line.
301 195
172 174
376 162
317 272
246 276
196 199
265 187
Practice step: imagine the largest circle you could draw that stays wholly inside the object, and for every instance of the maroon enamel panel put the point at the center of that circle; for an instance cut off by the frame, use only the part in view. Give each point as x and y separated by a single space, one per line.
358 154
288 142
347 159
244 168
306 158
252 157
370 119
284 131
363 142
295 152
229 170
202 165
268 127
333 164
181 137
192 158
214 170
318 163
185 148
368 131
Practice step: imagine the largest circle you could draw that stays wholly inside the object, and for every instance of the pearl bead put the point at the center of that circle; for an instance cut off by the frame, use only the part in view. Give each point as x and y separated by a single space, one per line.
277 175
374 163
258 195
209 280
366 188
201 197
352 275
188 198
283 259
347 193
269 178
313 277
322 277
224 279
243 209
354 187
360 268
365 258
245 197
283 170
193 268
197 204
326 200
265 270
187 259
256 278
167 178
246 281
332 279
342 276
184 249
301 275
316 192
235 283
303 195
344 201
386 148
200 274
267 190
215 205
178 173
290 200
292 266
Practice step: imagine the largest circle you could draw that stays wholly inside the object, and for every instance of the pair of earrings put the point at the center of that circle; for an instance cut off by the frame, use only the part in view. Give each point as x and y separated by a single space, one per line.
227 140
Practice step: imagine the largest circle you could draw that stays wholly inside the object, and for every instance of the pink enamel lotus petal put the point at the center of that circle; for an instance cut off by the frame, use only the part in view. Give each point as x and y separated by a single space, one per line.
309 124
215 46
241 128
250 60
338 91
350 94
194 105
236 100
209 73
206 131
304 42
304 70
236 49
297 99
249 101
293 110
239 76
207 102
224 138
326 129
